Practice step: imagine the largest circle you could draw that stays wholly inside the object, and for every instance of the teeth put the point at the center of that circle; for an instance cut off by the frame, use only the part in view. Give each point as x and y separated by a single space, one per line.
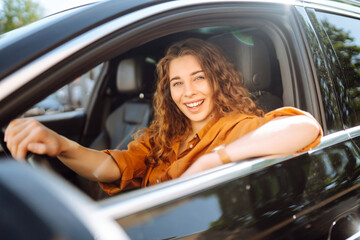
195 104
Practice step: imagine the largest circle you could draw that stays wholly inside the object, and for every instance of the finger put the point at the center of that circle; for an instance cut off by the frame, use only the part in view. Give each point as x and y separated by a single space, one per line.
40 136
9 128
17 136
42 149
20 135
40 141
37 148
19 151
16 126
12 126
27 132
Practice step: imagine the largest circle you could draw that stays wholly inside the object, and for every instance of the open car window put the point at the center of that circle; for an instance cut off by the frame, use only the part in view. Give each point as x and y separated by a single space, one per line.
73 96
121 102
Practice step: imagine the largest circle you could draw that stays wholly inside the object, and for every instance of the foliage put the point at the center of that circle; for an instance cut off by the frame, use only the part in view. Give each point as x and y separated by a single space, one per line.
347 51
17 13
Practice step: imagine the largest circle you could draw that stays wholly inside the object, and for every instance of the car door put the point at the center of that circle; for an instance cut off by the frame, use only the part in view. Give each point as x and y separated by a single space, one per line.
338 34
291 198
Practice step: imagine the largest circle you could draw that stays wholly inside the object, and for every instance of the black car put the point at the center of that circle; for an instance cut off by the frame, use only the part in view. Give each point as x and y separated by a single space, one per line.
304 54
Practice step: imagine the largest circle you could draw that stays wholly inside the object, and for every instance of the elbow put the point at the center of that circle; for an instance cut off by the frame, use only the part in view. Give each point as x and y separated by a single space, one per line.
106 174
106 178
312 127
307 130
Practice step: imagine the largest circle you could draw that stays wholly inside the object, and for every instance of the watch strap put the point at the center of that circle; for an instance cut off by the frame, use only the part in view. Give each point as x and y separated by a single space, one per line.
224 157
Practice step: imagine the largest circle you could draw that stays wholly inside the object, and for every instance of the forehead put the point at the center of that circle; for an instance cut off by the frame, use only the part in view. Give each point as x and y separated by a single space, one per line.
184 65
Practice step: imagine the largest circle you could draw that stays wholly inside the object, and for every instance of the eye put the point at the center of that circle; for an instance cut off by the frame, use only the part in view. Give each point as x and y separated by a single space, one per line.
176 84
199 78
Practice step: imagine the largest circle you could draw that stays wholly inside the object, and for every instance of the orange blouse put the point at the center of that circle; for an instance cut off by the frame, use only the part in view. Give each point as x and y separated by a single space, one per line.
135 173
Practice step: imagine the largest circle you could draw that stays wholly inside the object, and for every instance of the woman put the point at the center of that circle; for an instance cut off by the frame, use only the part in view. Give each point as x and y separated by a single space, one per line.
204 118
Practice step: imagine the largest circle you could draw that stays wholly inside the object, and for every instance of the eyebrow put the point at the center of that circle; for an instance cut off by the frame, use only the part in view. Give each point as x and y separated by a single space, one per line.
192 74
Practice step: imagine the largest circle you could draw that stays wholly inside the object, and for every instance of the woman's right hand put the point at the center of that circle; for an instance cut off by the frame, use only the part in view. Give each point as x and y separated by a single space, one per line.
29 135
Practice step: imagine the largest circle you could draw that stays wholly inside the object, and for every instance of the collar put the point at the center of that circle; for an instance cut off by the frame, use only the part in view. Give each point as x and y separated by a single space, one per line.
199 134
206 128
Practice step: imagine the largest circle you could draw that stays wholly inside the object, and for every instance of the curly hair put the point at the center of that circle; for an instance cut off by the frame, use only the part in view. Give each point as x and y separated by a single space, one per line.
230 96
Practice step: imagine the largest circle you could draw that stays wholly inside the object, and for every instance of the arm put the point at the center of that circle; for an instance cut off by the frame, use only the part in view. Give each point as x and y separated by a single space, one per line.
280 136
28 135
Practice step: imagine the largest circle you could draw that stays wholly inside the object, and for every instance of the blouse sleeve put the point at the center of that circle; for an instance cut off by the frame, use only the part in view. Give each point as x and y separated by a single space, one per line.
131 163
250 123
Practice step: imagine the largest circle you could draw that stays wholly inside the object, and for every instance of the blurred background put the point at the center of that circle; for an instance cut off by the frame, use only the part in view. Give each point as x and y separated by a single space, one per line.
17 13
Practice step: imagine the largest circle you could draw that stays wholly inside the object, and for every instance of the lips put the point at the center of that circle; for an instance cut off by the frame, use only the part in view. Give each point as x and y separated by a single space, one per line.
194 106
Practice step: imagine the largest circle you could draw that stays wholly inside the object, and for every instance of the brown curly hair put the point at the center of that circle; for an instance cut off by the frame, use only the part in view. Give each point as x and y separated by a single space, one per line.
230 96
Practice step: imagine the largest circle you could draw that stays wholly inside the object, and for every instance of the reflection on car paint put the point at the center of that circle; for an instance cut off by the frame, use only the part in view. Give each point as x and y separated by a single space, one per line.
342 43
330 106
267 203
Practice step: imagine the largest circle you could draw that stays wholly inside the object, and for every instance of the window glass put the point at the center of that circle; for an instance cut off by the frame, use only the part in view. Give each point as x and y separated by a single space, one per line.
344 34
73 96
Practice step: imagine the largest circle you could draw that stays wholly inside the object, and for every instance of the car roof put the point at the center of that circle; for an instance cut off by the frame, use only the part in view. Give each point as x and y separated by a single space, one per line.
22 45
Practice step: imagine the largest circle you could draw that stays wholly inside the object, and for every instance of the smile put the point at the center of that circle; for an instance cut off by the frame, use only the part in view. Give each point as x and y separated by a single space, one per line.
194 104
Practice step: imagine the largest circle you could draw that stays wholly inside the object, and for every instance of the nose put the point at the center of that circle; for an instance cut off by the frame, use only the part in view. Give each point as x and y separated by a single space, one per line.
190 89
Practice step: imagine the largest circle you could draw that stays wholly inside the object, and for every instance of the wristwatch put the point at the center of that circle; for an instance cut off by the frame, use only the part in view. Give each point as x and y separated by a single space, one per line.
220 150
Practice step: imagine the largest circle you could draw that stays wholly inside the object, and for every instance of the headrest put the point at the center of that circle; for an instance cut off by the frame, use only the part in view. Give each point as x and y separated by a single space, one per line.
132 73
249 55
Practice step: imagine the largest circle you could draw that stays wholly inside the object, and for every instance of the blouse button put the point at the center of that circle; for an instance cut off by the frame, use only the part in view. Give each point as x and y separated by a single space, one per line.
191 146
157 180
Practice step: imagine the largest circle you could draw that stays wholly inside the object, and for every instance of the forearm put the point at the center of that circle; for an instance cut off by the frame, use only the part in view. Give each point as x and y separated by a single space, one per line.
92 164
278 137
281 136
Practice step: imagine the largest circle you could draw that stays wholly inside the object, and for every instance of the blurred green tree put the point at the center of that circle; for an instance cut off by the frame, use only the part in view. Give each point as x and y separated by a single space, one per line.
17 13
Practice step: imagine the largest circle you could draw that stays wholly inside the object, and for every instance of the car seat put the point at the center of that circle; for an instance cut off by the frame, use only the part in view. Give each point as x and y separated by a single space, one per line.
132 77
250 55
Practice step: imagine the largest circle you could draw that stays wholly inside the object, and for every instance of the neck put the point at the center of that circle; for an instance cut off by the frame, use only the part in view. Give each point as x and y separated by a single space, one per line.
197 126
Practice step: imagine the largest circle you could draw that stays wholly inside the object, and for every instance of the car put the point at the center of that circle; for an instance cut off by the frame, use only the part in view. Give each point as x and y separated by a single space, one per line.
299 53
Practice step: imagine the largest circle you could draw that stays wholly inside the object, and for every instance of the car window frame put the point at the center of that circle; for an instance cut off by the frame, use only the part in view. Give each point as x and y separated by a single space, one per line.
123 38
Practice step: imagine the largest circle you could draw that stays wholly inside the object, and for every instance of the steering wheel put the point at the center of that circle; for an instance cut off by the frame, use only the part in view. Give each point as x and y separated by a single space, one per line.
36 160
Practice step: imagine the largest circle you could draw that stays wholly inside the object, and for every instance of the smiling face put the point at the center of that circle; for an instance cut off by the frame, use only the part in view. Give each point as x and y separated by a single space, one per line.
191 90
